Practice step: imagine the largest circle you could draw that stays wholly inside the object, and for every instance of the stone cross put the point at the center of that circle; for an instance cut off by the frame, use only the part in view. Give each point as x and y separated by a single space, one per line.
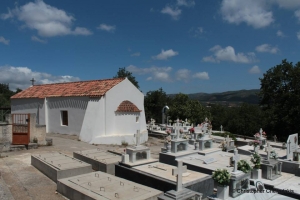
137 138
289 144
260 133
176 129
178 173
275 138
206 120
268 149
227 140
235 159
221 128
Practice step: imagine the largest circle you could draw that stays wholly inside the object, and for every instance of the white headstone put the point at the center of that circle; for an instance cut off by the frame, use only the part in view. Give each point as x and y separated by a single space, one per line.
292 145
268 150
137 138
228 140
235 159
178 173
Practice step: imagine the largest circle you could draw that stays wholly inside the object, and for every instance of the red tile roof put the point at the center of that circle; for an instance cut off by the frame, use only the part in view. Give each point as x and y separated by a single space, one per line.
127 106
95 88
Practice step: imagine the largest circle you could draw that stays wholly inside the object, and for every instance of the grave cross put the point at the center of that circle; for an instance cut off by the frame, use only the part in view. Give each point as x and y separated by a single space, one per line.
137 137
176 129
227 140
235 159
289 146
268 150
260 133
221 128
178 173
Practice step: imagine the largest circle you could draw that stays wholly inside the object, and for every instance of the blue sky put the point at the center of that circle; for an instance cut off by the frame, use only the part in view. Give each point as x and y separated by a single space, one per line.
182 46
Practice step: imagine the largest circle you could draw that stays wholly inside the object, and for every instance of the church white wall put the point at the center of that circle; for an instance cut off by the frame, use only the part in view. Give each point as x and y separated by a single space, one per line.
122 126
30 105
93 122
76 107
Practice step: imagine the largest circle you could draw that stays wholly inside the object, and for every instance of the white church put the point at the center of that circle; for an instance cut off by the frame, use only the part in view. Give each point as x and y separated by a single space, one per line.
106 111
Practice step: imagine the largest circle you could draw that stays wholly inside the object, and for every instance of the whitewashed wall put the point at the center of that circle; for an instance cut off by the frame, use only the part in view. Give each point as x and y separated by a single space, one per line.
31 105
122 126
76 107
93 122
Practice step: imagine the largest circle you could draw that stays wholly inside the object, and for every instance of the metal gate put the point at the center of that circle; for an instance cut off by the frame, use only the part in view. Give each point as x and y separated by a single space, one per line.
20 129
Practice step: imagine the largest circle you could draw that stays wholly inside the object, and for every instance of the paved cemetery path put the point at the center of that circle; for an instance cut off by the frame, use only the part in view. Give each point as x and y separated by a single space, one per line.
21 181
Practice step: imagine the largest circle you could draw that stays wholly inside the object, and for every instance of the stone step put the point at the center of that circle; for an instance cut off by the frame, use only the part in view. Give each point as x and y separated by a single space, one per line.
17 147
33 146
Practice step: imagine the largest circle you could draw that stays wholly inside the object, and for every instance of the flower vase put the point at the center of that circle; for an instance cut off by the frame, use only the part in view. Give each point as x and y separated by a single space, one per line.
222 192
168 147
256 173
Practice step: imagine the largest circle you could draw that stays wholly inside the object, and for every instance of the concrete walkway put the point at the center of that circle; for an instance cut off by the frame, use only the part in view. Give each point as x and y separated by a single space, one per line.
21 181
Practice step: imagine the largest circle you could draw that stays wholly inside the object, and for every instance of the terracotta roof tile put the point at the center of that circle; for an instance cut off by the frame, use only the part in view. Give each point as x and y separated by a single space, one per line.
95 88
127 106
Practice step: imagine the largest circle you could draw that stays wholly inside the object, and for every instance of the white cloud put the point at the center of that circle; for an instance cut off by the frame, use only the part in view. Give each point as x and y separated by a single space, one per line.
267 48
108 28
288 4
136 54
297 14
298 35
157 73
47 20
279 33
149 78
228 54
187 3
201 75
4 41
254 70
254 13
19 77
173 12
36 39
196 32
164 55
183 75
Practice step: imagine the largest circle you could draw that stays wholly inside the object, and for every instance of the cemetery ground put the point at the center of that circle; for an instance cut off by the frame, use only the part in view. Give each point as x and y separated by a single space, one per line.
20 180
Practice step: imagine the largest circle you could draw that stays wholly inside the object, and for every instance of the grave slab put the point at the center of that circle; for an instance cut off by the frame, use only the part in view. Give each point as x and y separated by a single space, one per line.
170 158
58 165
159 176
99 159
290 187
100 186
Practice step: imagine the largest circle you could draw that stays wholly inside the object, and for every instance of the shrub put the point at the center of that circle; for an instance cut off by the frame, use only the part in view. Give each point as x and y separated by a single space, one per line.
244 166
256 159
221 176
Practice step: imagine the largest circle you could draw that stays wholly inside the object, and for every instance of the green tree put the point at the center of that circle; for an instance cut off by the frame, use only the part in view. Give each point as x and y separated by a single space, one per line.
154 102
279 97
122 73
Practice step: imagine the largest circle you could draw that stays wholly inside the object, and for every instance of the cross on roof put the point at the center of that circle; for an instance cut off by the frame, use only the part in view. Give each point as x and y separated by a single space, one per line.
235 159
228 139
178 173
268 149
32 81
137 138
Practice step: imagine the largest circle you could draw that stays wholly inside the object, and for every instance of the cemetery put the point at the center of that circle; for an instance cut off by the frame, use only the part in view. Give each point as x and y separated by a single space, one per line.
189 162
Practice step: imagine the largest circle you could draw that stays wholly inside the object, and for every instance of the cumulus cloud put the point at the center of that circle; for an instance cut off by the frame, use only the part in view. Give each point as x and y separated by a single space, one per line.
279 33
164 55
254 70
19 77
136 54
156 73
108 28
183 75
187 3
288 4
254 13
4 41
267 48
36 39
47 20
201 75
228 54
173 12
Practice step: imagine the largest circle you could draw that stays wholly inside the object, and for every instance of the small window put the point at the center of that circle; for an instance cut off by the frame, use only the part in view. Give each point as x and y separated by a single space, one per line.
64 118
137 119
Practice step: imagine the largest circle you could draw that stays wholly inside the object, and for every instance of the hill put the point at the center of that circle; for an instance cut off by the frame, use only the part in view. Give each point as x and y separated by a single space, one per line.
229 98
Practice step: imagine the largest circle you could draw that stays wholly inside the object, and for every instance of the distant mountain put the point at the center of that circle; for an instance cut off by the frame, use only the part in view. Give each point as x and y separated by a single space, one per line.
230 98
